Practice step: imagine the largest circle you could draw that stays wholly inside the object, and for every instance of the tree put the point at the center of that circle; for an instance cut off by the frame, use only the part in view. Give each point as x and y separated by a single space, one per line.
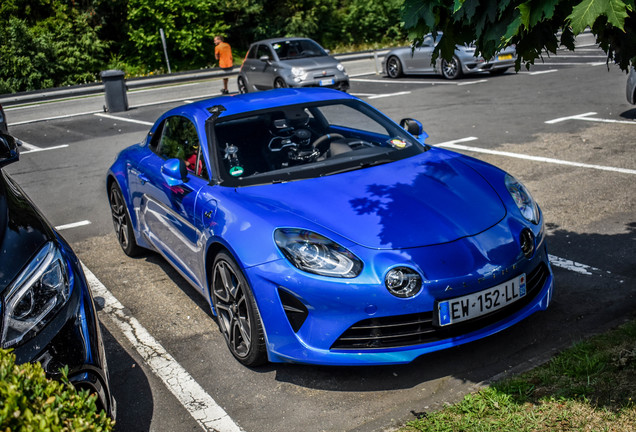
534 26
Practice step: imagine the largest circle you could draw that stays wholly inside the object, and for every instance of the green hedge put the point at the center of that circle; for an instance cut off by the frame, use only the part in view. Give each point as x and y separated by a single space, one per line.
31 402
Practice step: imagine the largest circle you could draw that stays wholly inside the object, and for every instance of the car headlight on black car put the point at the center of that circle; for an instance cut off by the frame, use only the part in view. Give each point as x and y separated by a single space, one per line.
35 297
314 253
521 196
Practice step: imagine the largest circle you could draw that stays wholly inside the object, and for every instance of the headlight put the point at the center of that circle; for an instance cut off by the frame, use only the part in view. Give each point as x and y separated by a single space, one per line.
299 73
316 254
36 296
340 67
527 206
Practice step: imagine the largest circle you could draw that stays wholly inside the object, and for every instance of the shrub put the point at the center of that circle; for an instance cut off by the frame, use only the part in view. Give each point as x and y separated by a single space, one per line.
31 402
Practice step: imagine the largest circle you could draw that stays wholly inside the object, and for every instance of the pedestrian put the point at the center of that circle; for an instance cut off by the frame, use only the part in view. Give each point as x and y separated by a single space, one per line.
223 53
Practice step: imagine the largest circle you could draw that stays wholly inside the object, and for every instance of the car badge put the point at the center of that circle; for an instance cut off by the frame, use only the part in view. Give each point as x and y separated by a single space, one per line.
324 73
448 288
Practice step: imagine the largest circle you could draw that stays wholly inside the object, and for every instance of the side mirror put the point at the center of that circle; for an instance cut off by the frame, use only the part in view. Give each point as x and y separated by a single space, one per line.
264 59
414 127
428 41
9 152
174 172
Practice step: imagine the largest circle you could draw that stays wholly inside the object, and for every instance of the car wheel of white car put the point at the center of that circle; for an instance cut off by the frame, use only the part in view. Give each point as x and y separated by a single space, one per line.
236 311
242 85
451 69
394 67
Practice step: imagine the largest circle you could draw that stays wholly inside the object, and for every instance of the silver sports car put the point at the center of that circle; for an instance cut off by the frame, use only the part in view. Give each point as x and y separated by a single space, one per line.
406 61
290 62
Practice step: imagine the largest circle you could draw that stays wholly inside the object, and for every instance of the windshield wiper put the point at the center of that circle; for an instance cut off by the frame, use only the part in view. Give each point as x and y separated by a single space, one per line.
361 165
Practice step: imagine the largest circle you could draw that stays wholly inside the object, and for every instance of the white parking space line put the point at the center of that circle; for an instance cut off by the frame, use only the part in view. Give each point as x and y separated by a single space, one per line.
539 72
72 225
573 266
35 149
453 145
61 117
586 117
401 81
378 96
472 82
569 64
208 414
124 119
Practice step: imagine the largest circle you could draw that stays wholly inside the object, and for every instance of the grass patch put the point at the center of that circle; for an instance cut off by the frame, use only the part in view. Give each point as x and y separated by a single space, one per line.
589 387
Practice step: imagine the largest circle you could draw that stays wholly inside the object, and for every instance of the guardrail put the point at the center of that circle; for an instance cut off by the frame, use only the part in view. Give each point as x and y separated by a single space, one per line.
136 83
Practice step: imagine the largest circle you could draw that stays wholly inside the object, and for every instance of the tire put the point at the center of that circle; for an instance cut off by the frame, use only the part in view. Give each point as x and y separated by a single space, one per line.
122 223
451 69
237 313
498 71
242 85
280 83
394 67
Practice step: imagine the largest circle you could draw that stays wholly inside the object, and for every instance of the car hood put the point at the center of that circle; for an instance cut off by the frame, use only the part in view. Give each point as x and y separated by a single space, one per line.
312 62
428 199
23 230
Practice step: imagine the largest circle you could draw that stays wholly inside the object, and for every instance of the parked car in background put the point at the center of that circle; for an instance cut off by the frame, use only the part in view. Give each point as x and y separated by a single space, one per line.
406 61
290 62
630 89
321 231
47 313
3 121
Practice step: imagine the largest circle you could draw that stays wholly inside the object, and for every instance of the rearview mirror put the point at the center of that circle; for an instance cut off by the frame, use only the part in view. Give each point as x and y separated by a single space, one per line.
174 172
414 127
264 58
9 152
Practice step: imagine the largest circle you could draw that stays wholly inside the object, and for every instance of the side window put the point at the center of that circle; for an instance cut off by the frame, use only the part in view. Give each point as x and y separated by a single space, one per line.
252 52
347 117
179 139
263 50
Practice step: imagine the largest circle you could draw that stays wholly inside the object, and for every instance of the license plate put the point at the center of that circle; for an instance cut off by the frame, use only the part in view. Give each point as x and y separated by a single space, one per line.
482 302
505 57
326 82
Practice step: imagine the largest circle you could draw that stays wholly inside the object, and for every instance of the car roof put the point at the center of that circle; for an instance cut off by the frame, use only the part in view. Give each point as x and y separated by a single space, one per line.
243 103
282 39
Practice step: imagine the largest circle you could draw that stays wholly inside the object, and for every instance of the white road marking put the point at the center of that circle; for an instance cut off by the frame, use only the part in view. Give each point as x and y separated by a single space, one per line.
124 119
569 64
73 225
586 117
573 266
378 96
41 149
453 145
61 117
539 72
402 81
208 414
471 82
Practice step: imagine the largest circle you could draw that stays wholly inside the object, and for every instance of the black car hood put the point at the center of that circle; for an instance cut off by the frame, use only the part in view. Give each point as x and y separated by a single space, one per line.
23 230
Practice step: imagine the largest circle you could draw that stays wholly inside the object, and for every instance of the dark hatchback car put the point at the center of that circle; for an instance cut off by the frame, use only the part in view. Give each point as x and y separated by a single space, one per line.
47 313
290 62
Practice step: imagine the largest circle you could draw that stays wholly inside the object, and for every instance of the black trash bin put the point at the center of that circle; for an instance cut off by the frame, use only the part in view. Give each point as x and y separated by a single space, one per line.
114 90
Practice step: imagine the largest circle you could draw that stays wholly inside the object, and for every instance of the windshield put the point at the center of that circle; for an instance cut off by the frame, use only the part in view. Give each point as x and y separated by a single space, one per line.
304 141
292 49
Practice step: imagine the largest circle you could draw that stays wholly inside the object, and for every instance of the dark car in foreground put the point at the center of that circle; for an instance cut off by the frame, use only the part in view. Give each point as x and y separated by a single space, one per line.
409 61
47 314
290 62
321 231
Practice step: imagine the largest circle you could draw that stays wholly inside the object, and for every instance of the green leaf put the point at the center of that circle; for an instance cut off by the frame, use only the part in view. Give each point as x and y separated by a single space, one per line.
585 14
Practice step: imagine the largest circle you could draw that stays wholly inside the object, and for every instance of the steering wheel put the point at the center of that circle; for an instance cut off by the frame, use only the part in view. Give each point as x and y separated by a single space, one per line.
322 142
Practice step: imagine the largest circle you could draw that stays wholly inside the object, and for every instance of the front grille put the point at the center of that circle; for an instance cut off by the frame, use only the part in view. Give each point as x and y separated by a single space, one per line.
415 329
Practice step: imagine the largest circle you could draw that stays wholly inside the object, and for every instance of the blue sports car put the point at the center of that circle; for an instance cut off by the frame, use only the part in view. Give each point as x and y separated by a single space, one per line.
320 231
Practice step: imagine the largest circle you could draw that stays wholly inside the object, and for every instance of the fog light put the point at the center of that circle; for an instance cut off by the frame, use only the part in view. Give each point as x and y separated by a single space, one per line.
527 243
403 282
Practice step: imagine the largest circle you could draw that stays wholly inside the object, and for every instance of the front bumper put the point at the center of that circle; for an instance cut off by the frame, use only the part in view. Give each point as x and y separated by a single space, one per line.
73 338
330 79
307 317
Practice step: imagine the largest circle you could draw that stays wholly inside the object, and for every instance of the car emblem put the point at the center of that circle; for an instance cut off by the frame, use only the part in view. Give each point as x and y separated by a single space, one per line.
324 73
448 288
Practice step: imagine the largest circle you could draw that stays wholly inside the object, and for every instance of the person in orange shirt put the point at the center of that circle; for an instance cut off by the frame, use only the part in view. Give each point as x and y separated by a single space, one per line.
223 53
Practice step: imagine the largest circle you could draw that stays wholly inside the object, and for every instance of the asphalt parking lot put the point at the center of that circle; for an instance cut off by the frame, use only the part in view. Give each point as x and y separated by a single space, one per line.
562 127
